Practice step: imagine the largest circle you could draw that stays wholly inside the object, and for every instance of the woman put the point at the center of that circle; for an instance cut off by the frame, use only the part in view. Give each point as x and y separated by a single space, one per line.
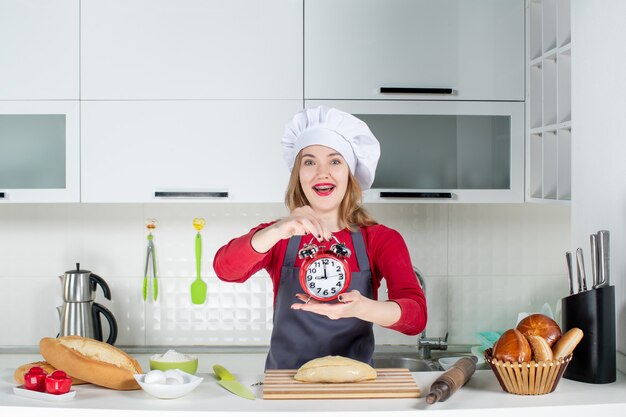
332 156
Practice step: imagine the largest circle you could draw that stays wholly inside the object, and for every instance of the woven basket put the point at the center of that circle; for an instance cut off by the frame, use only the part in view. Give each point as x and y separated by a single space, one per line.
528 378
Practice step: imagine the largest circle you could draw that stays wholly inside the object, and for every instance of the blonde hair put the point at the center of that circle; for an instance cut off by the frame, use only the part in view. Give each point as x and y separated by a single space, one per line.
351 212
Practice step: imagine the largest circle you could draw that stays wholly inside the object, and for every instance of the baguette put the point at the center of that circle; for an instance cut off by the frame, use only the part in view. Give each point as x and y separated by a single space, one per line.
18 375
334 369
541 349
90 360
566 344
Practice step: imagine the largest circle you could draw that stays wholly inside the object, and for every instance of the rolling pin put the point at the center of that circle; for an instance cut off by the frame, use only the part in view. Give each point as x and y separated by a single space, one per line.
451 380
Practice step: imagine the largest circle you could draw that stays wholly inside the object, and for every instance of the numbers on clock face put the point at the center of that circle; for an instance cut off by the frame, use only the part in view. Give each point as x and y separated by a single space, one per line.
325 277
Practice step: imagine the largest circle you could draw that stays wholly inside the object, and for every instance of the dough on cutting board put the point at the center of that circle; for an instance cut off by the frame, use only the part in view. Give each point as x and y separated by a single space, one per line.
335 369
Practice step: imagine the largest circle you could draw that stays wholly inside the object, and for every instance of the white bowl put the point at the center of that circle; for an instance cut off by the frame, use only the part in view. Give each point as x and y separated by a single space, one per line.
479 352
446 363
170 391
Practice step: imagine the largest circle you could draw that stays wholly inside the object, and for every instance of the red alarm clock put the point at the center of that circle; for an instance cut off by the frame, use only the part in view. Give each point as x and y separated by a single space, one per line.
325 274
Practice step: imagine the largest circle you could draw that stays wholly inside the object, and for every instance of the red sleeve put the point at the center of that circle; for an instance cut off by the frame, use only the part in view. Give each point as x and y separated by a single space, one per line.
237 260
390 260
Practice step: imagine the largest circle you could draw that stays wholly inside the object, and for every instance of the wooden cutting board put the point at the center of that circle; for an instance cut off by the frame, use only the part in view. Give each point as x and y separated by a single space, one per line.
278 384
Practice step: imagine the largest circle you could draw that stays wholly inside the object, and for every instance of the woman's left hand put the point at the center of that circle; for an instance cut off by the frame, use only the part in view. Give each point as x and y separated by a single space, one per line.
349 305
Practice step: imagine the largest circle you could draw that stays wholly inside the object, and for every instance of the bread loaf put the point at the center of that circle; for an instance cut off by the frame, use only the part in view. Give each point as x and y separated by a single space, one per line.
18 375
90 360
512 346
540 325
335 369
541 349
566 344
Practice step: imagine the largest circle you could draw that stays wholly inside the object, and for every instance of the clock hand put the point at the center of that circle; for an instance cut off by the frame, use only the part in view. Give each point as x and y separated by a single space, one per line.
325 276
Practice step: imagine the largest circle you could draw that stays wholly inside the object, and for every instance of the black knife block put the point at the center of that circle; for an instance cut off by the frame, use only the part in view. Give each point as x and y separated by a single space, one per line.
593 312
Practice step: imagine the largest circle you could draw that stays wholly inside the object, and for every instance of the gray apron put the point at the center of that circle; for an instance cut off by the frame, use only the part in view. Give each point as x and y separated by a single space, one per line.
299 336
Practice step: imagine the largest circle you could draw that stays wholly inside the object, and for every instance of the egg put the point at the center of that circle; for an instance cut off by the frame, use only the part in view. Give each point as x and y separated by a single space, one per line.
155 377
173 377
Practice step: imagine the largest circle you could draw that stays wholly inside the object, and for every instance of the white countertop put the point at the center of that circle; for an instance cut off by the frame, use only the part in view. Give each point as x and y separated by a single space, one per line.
481 396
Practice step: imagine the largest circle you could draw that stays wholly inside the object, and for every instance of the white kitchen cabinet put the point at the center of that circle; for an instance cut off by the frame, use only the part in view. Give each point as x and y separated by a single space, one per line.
39 49
196 49
353 48
132 151
39 151
549 102
443 151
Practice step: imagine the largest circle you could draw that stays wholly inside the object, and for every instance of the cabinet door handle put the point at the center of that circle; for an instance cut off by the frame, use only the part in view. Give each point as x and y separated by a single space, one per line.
408 90
191 194
1 195
413 194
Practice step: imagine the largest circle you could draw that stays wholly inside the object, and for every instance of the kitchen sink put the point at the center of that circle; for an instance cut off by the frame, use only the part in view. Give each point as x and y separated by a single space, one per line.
412 364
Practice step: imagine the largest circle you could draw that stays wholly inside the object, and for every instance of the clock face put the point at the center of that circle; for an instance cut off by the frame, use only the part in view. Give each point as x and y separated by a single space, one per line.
324 277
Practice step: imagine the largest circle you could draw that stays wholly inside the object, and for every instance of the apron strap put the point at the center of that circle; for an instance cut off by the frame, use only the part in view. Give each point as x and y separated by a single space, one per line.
292 251
361 253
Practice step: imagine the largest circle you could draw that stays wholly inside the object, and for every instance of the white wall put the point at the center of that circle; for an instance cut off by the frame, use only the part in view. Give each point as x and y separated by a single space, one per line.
599 139
483 264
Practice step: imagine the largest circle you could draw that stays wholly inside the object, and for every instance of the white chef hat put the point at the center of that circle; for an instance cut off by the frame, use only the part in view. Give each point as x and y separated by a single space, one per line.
338 130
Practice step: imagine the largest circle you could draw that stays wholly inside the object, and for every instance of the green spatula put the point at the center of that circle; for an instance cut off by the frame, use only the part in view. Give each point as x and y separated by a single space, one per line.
198 287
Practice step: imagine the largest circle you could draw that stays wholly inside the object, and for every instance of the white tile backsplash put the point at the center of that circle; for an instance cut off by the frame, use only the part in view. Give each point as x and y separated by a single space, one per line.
488 303
232 314
482 264
507 240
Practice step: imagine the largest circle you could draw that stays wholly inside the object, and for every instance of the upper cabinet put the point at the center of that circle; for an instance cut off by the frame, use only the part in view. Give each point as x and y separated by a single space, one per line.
414 49
196 49
39 151
549 102
444 151
184 150
39 107
146 100
39 49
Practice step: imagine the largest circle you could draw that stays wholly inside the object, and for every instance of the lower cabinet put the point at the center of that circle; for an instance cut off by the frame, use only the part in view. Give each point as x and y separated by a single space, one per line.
216 150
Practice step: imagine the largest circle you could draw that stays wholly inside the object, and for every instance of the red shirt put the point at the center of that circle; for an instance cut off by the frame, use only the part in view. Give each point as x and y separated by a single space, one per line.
388 256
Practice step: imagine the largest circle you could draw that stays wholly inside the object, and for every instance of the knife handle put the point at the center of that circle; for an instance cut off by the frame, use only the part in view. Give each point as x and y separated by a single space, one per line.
222 373
603 257
594 259
570 272
582 280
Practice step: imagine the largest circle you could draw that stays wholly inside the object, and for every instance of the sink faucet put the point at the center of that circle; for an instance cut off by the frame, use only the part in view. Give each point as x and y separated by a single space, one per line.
426 344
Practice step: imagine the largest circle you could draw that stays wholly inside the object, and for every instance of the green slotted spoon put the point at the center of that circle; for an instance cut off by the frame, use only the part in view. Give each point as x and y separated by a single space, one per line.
198 287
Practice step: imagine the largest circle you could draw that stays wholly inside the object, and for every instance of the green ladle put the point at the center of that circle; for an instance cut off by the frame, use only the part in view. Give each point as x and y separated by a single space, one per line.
198 287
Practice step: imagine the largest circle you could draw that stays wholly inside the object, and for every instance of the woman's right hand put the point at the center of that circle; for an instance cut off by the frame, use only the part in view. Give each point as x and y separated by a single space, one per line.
301 221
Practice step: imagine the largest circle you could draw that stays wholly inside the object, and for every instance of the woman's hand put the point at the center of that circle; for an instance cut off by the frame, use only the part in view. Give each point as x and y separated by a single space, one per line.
301 221
349 305
353 304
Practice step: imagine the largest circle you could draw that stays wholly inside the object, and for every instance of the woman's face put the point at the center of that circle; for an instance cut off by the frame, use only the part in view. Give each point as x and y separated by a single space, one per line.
323 177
